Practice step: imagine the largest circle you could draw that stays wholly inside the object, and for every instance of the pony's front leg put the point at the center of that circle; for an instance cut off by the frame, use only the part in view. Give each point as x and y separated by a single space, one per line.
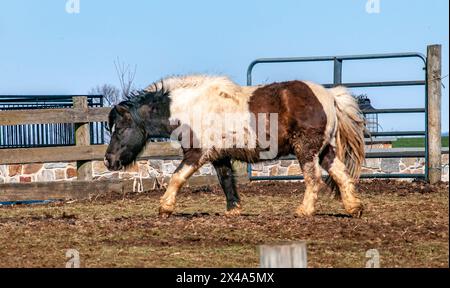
180 176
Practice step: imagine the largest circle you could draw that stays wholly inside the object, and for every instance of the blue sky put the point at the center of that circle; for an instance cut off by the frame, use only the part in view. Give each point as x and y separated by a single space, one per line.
45 50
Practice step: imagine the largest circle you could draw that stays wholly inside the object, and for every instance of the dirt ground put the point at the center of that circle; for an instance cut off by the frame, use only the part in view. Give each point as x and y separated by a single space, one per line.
407 222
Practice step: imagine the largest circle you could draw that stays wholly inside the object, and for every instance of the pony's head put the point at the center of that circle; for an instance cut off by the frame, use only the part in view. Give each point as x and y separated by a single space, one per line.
128 137
132 122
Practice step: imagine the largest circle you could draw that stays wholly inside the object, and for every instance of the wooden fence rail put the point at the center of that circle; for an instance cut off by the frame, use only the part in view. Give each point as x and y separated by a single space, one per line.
67 190
83 153
160 150
53 116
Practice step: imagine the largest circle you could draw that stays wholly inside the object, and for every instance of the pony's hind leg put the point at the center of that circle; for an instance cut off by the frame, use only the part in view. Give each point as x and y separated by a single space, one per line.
338 172
313 181
227 181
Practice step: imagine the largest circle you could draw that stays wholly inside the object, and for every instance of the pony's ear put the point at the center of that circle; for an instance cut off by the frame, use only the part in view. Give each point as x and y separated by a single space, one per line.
121 110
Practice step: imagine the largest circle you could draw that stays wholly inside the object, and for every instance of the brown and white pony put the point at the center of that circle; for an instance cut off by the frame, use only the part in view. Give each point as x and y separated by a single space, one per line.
321 127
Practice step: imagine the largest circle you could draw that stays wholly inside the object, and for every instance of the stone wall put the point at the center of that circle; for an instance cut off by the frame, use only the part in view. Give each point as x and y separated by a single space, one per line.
37 172
371 166
147 169
150 169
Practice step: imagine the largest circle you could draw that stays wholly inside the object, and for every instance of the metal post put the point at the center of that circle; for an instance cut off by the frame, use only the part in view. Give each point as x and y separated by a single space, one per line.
337 75
102 125
434 113
82 138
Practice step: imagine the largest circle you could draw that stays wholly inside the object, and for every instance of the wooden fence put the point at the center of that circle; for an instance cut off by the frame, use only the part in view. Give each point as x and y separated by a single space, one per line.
83 153
81 115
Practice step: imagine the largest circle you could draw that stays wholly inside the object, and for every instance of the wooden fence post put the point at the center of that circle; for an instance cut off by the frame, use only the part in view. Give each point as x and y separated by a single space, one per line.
82 138
283 256
434 112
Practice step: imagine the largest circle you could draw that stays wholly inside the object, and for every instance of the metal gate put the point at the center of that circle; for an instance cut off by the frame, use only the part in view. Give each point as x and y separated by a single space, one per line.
337 80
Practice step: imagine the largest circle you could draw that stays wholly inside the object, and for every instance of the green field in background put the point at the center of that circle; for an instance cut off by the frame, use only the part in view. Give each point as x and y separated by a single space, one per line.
415 142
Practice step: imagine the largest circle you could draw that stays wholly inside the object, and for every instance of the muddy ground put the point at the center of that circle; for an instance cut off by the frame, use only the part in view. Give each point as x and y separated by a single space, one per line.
407 222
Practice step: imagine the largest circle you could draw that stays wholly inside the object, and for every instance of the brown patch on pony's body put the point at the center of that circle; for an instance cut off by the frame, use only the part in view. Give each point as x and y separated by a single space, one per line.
228 96
301 117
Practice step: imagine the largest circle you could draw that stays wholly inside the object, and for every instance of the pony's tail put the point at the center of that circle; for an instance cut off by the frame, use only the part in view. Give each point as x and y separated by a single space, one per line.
351 126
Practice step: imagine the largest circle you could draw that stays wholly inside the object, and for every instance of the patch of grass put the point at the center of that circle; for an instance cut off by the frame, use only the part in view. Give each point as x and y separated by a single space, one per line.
415 142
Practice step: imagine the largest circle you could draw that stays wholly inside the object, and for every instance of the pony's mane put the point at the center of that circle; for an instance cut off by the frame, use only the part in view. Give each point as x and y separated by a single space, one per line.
164 86
136 99
139 97
171 83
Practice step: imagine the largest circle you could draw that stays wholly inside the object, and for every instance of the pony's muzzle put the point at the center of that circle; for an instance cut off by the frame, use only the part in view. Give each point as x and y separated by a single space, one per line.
112 163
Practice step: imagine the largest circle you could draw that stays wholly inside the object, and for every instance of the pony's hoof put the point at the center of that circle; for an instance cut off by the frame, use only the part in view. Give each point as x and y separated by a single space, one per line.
302 212
164 214
356 211
165 211
236 211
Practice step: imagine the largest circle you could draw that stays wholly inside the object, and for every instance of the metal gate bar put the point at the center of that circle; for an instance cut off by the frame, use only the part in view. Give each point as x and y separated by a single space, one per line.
337 80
